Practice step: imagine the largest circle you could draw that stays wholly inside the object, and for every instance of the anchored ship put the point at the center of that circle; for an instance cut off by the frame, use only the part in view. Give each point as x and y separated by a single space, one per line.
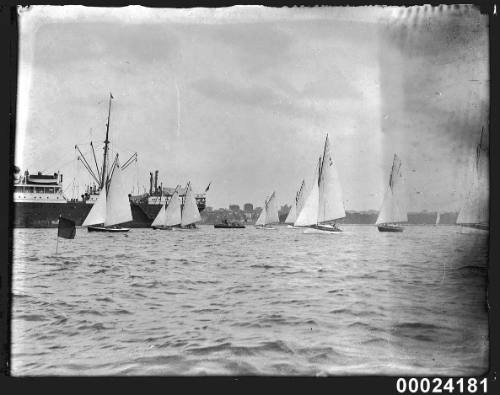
39 200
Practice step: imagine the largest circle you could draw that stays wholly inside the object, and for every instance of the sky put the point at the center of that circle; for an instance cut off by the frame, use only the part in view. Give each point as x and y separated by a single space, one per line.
244 96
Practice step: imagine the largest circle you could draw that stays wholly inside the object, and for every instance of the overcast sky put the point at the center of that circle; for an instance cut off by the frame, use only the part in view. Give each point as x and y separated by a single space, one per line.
244 97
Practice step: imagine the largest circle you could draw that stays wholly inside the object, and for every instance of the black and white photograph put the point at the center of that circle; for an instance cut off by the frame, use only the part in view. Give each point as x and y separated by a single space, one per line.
251 191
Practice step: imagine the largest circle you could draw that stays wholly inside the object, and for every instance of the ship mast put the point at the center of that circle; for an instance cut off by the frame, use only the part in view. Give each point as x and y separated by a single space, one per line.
106 142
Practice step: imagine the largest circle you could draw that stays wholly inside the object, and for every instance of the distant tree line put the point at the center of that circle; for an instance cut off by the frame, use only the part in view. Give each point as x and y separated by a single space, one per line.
249 214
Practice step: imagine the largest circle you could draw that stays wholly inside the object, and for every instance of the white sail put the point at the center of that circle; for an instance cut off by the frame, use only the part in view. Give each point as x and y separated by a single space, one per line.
262 217
330 206
97 214
117 203
475 209
309 213
290 218
190 213
272 210
394 206
173 212
301 198
160 217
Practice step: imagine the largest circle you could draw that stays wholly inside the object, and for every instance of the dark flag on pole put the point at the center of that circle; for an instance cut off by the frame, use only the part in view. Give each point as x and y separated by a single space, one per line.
66 228
206 189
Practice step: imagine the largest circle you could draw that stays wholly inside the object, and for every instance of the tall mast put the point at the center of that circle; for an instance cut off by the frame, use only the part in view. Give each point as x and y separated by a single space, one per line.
106 142
322 160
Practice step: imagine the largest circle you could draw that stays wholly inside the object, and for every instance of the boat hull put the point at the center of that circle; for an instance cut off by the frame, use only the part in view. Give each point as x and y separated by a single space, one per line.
322 229
163 227
106 229
224 226
264 227
474 228
46 215
483 227
389 228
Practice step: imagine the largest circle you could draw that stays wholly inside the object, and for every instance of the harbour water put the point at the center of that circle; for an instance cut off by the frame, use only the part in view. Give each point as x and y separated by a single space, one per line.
250 302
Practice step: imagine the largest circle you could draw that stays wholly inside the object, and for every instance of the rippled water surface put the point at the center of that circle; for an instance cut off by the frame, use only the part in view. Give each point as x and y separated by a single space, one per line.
249 301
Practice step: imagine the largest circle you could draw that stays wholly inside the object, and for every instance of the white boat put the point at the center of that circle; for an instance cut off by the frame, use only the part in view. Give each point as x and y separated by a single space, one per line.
474 213
323 205
170 215
111 208
296 206
269 214
393 211
190 213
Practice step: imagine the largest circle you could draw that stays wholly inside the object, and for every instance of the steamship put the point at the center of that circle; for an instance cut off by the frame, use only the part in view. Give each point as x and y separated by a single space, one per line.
39 199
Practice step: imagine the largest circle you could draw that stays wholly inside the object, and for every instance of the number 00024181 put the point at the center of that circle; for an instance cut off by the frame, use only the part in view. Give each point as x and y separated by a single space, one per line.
438 385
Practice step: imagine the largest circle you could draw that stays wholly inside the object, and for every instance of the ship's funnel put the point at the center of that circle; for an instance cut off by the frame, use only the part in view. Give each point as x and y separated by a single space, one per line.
156 180
150 183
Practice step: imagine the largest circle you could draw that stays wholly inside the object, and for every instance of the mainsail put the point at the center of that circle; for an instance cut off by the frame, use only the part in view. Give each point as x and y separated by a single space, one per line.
269 213
262 217
117 203
292 214
190 213
475 209
169 214
301 197
393 207
438 218
160 217
297 206
173 211
272 210
309 213
97 214
330 206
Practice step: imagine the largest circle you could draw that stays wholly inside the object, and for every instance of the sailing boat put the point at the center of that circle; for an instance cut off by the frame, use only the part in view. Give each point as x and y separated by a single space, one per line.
438 218
112 206
474 213
190 213
393 210
297 206
169 215
323 204
269 214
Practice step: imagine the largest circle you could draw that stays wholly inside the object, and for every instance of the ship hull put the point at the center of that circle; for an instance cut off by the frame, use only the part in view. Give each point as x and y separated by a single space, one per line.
46 215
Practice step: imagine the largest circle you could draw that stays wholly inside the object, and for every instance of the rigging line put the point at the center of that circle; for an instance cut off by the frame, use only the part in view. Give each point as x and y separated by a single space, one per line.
113 166
95 161
129 161
89 170
86 164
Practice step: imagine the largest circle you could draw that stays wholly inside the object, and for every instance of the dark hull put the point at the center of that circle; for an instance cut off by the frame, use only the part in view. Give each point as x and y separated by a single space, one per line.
223 226
104 229
477 226
389 228
326 228
46 215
